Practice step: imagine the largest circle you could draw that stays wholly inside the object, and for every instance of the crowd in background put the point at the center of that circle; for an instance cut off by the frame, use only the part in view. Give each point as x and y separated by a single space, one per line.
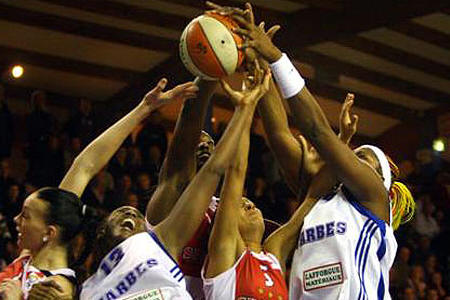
423 259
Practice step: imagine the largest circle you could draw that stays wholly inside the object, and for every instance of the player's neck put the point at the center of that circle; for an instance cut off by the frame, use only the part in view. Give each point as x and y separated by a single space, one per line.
50 258
254 246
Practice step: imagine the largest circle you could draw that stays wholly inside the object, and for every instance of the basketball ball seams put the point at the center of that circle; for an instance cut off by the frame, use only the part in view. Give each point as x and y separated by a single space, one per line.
213 52
205 58
209 47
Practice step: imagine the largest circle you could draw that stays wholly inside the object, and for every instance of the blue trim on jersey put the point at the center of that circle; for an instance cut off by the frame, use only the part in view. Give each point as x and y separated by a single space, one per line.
359 252
381 289
365 258
368 222
155 238
364 211
382 249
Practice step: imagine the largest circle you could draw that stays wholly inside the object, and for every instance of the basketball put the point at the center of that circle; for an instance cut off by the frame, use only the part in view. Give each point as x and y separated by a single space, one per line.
209 48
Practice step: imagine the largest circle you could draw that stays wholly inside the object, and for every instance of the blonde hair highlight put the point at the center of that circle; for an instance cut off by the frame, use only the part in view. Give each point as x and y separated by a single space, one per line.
403 204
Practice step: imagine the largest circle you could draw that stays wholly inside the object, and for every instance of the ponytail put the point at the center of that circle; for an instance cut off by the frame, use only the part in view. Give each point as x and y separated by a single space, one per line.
72 217
403 205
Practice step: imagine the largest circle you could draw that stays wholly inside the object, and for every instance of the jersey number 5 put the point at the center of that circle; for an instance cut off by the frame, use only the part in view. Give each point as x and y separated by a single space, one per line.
269 281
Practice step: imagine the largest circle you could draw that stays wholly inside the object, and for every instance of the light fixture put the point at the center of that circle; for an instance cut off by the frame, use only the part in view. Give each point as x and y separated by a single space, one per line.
17 71
439 144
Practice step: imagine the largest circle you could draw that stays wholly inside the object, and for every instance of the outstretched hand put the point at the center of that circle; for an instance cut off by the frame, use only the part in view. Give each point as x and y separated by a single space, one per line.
157 98
253 87
348 122
254 36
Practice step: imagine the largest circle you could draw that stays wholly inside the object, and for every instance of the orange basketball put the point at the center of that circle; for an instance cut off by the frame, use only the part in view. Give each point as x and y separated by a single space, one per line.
209 48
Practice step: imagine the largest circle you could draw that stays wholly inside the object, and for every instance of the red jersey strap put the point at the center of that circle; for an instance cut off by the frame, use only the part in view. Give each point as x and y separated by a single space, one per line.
15 269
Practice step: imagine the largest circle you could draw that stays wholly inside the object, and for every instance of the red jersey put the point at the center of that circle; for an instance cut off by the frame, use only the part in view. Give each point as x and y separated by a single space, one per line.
194 253
255 276
28 275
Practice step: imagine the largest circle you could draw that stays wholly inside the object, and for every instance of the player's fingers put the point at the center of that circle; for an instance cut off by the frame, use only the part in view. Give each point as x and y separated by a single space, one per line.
273 30
213 5
258 73
354 119
262 26
266 81
159 87
241 21
226 87
51 284
251 16
241 31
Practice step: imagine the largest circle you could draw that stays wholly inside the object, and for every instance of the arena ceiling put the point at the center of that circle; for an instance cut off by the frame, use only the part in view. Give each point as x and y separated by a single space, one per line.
395 55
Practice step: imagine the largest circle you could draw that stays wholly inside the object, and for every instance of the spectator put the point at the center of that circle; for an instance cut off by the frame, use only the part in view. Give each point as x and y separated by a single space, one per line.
99 194
426 224
423 249
152 133
40 126
118 165
436 283
416 281
432 294
134 160
132 199
401 269
409 294
153 162
71 152
430 266
144 190
82 124
6 179
6 126
124 188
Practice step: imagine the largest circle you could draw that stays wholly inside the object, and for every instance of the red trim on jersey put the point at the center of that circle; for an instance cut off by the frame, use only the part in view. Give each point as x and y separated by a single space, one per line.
14 269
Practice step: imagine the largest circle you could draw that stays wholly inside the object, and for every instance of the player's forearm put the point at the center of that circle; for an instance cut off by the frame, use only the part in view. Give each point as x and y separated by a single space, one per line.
282 143
310 119
272 112
97 154
223 155
180 159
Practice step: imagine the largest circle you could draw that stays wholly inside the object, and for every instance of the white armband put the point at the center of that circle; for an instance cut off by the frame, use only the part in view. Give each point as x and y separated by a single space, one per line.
287 77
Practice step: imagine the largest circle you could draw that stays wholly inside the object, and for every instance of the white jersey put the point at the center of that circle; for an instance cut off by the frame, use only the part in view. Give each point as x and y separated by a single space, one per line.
138 268
344 252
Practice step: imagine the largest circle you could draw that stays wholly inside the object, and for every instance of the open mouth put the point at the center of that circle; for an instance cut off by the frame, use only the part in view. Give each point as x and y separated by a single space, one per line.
128 224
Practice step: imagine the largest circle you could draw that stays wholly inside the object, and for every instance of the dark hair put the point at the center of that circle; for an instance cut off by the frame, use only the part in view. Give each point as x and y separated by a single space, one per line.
65 210
68 212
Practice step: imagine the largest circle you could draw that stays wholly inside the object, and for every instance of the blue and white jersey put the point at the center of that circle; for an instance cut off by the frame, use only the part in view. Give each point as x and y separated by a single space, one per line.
344 252
138 268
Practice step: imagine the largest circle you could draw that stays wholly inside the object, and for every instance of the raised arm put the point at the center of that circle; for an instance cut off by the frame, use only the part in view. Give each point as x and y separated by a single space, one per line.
225 240
179 166
187 214
97 154
356 175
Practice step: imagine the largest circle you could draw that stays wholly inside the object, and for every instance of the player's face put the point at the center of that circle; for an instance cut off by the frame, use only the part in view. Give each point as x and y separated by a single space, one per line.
123 223
250 218
31 223
204 149
367 156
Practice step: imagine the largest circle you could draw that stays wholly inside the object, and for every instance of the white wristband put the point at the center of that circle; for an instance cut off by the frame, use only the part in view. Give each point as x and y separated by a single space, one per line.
287 77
